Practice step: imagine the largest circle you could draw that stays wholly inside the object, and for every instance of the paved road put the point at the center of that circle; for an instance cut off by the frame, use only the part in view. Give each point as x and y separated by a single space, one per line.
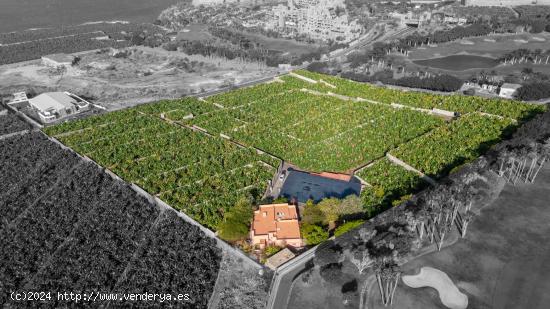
245 84
284 276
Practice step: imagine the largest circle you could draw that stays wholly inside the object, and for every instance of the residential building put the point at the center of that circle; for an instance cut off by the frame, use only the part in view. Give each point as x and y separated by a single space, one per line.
316 19
276 224
304 186
508 90
52 106
58 60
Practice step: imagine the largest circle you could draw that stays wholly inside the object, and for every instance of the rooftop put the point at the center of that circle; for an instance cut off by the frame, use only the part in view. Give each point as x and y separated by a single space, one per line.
279 258
510 86
279 219
61 58
52 100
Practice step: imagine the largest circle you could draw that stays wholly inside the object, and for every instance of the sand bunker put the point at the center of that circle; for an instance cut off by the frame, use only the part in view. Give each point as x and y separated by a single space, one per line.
449 294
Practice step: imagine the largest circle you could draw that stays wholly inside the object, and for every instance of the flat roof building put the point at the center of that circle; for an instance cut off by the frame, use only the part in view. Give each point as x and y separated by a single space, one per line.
508 90
304 186
51 106
279 258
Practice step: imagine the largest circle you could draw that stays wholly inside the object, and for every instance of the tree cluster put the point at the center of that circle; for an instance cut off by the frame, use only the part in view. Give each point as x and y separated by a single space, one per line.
520 159
318 220
235 224
533 91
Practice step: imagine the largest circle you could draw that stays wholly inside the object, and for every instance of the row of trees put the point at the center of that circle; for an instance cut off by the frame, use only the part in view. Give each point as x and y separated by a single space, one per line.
244 51
537 56
383 244
429 219
381 49
520 159
444 82
210 48
76 39
387 241
524 164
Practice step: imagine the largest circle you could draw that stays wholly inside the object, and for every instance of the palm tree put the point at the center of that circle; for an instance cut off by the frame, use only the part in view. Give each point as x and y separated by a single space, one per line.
444 229
387 276
362 263
545 154
396 276
465 221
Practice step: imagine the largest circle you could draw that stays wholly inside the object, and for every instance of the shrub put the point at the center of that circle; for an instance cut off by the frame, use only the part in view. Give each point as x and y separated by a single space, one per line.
271 250
312 214
236 221
534 91
280 200
332 273
314 234
347 226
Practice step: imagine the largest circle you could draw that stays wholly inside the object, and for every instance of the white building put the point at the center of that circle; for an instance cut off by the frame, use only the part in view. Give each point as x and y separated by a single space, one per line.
58 60
508 90
52 106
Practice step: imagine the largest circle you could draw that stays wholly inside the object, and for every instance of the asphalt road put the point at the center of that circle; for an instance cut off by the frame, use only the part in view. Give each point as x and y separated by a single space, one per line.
245 84
284 276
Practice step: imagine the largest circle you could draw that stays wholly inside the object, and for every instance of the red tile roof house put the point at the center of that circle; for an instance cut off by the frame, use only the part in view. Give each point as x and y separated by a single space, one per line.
276 224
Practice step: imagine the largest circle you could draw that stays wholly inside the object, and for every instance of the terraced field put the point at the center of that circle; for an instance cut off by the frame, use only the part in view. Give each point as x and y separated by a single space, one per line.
201 155
191 171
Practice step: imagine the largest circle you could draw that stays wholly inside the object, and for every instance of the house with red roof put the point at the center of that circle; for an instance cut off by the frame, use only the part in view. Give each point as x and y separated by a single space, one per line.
276 224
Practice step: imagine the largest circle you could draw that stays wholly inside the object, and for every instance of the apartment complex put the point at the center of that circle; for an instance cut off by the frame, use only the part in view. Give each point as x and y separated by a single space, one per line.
316 19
